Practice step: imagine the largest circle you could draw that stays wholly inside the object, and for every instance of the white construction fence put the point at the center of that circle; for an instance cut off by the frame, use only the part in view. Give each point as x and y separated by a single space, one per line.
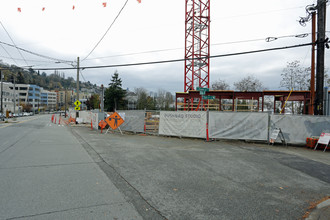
217 125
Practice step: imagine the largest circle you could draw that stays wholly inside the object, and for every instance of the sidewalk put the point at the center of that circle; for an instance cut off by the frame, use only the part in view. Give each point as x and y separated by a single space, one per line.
321 211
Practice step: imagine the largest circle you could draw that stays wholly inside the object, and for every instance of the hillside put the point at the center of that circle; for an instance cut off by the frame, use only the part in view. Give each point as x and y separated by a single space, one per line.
50 82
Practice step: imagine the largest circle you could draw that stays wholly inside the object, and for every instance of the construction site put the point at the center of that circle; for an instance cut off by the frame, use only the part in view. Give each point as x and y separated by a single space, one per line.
235 115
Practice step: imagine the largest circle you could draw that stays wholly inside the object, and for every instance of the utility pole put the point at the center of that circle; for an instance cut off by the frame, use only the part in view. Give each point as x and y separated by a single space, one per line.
65 103
77 114
311 109
321 9
102 98
14 95
1 94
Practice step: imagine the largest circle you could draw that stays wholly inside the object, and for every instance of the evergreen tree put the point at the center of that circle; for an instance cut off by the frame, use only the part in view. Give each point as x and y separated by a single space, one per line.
20 78
114 95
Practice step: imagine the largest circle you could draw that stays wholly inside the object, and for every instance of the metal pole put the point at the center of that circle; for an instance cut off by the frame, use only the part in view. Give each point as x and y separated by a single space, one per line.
65 104
102 98
14 95
77 113
321 6
312 86
1 94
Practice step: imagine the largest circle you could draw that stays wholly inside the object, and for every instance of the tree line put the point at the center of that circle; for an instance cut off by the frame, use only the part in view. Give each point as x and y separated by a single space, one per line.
116 98
294 76
54 81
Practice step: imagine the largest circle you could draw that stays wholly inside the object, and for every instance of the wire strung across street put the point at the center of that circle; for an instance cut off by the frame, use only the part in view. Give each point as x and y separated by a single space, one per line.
106 31
179 60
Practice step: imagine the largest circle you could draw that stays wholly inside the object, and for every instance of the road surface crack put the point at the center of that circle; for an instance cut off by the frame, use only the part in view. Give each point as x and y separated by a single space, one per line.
143 207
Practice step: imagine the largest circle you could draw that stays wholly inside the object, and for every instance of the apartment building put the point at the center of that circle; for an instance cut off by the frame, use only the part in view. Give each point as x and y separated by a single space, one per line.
9 98
48 99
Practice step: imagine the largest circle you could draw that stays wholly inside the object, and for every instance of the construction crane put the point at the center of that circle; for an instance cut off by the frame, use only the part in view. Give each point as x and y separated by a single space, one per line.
197 45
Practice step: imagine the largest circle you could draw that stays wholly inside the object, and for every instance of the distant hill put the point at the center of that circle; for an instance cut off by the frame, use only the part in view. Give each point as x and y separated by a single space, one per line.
55 81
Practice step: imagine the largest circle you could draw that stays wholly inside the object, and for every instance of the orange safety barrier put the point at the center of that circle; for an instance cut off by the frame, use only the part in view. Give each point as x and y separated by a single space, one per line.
311 142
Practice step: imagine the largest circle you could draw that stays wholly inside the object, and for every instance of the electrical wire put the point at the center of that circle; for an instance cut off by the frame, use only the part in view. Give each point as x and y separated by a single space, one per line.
181 60
36 54
37 61
80 71
106 31
9 54
258 13
216 44
137 53
13 43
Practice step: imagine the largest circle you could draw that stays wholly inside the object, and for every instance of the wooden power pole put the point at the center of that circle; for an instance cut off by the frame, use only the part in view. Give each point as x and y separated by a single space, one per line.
77 114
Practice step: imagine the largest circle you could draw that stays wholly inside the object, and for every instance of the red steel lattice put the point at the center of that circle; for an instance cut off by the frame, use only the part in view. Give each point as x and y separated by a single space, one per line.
197 45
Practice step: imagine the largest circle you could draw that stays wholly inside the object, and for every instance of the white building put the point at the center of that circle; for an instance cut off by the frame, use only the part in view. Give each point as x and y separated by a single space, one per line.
8 98
48 99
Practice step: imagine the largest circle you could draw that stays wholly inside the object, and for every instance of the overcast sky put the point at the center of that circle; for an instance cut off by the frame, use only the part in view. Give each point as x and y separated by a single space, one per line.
153 30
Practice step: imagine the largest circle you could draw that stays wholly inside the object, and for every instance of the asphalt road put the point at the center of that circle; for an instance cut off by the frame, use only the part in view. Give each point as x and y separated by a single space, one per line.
57 172
175 178
46 174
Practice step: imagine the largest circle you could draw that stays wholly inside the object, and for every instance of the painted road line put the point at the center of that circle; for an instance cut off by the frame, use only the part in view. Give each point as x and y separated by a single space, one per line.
10 124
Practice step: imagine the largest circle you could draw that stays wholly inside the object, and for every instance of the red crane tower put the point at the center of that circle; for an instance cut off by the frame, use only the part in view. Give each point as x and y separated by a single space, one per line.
197 45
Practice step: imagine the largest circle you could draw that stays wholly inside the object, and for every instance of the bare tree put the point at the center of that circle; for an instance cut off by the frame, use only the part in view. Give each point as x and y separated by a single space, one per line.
144 101
164 99
168 100
308 78
161 98
249 83
220 85
295 77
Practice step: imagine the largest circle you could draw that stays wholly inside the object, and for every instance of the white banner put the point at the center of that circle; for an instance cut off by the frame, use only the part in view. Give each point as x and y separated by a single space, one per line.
238 125
183 124
296 128
95 120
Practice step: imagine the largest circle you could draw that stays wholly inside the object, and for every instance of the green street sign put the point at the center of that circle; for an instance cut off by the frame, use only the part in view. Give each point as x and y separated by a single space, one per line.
208 97
202 89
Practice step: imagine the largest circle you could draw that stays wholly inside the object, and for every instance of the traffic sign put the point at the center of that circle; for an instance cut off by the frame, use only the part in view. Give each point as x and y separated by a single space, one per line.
202 89
208 97
114 120
102 125
77 108
77 103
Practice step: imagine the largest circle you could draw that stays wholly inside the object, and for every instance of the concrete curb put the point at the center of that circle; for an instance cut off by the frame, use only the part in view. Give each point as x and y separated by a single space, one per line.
321 211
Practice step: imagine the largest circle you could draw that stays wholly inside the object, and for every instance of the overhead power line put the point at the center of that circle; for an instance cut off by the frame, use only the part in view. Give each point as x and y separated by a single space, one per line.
9 54
179 60
13 42
106 31
215 44
36 54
